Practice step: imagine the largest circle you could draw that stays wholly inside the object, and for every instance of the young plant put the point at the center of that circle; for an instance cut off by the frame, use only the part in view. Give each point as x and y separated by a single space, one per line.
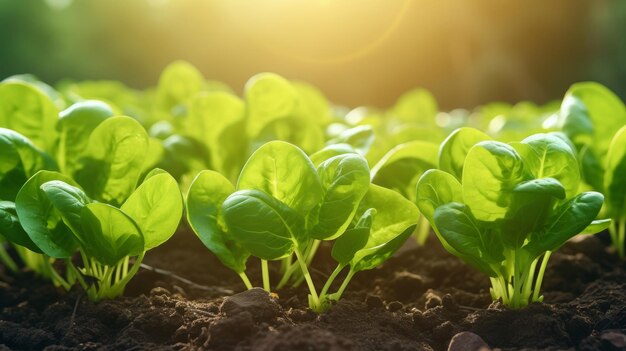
61 219
590 115
512 207
283 207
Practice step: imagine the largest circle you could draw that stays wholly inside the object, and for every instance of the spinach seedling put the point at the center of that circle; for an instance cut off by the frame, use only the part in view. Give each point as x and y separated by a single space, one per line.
105 236
512 207
283 206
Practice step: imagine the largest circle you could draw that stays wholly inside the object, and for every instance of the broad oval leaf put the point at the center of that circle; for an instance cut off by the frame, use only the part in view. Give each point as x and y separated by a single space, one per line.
68 200
331 151
454 149
204 212
461 232
354 239
11 229
402 166
592 105
569 219
75 126
492 169
41 221
20 160
264 226
285 172
543 186
109 234
178 82
383 253
394 214
436 188
345 180
157 207
28 111
549 156
269 97
113 160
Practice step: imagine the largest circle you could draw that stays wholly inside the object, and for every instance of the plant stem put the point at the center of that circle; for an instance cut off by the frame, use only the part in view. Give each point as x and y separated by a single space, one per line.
266 275
330 280
6 259
246 280
621 238
307 277
422 230
283 281
542 270
312 251
343 286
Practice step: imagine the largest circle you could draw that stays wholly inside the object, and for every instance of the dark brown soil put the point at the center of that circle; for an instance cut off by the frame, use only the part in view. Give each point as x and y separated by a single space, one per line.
418 300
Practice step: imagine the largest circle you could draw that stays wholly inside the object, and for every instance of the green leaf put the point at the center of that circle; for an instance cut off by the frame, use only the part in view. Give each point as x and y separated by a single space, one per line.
11 229
68 200
461 231
345 180
113 160
360 138
597 226
41 220
28 111
283 171
549 156
178 82
331 151
204 212
591 113
394 214
157 207
354 239
436 188
492 169
269 97
614 179
417 105
402 166
265 226
211 117
455 147
569 219
543 186
384 252
20 160
109 234
75 125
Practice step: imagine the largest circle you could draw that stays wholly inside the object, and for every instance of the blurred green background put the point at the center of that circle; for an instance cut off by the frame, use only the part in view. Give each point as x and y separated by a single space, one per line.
359 52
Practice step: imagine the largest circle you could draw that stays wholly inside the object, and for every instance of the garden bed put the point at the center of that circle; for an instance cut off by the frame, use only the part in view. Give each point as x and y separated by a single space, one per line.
418 300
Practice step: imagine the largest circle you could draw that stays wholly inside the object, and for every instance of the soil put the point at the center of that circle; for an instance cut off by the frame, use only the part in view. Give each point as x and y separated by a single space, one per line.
418 300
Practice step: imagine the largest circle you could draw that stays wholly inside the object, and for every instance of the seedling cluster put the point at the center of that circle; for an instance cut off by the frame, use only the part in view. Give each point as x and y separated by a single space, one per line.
95 174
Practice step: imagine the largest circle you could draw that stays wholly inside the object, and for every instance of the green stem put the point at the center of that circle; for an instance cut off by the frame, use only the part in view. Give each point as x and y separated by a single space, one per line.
246 280
542 270
312 251
621 235
343 286
422 230
330 280
307 277
6 259
266 275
